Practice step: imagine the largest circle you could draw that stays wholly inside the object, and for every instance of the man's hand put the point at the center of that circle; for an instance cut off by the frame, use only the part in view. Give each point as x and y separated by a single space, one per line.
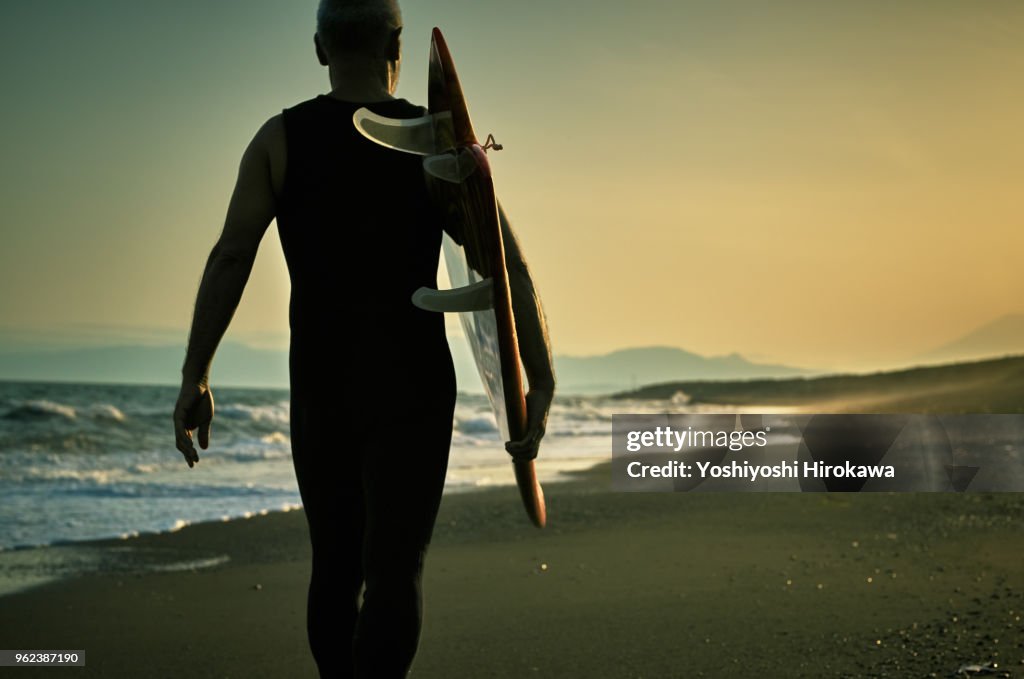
538 403
194 410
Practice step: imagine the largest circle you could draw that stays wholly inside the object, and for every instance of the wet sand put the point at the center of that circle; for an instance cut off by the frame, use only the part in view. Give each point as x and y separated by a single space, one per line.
618 585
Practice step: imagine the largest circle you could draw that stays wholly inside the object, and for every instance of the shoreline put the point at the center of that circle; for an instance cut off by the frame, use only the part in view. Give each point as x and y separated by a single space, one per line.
563 474
617 585
62 560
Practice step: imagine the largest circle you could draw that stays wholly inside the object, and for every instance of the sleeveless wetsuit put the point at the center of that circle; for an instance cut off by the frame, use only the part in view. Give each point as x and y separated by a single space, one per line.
372 382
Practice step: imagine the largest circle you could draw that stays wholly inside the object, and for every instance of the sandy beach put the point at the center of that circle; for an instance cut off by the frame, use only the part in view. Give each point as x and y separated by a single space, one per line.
618 585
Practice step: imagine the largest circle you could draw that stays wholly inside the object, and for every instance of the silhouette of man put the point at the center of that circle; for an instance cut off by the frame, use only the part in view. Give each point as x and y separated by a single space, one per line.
372 382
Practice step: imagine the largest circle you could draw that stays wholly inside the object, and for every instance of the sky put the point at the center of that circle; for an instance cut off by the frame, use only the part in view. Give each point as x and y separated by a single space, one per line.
817 184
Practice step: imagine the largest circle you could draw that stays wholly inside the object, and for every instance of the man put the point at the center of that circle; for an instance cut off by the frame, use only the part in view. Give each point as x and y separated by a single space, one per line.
372 382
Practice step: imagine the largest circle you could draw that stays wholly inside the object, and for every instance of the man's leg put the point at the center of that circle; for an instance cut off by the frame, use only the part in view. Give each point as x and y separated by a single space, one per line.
329 477
403 480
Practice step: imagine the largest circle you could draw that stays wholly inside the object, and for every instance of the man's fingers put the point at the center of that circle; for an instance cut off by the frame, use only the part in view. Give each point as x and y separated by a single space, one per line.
204 434
188 450
183 439
184 444
526 447
521 453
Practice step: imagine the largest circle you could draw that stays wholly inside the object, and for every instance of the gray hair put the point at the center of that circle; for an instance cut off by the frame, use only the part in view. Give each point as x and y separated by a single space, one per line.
357 26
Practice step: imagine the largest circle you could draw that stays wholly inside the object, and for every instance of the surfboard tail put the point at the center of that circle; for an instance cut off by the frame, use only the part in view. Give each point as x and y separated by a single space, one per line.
531 492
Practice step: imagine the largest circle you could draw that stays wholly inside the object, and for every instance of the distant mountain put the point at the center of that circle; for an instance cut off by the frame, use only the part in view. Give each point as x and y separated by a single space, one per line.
1002 337
239 365
236 365
630 368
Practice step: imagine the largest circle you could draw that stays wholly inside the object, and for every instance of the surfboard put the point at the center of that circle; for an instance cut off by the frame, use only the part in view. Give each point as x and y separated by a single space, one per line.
458 174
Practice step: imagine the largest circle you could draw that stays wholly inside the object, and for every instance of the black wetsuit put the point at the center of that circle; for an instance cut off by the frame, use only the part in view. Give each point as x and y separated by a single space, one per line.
372 382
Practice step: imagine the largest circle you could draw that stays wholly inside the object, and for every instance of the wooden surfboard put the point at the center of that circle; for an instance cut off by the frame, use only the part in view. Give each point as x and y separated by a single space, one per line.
459 176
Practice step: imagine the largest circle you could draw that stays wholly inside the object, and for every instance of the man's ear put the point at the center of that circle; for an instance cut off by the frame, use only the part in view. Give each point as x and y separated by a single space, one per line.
394 47
321 54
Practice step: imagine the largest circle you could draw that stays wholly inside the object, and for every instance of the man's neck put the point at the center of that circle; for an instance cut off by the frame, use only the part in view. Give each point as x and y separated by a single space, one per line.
363 82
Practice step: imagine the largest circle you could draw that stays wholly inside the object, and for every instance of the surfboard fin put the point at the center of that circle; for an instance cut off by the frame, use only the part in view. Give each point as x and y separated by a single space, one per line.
477 296
451 167
408 135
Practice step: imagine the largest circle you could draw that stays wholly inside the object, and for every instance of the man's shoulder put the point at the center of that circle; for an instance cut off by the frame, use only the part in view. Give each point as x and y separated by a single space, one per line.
271 133
267 149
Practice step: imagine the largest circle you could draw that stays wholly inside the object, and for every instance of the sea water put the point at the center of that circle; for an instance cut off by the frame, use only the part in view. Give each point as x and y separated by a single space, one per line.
87 461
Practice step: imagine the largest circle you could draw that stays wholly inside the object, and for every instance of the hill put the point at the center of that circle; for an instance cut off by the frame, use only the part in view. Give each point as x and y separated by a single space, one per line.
1001 337
629 367
991 386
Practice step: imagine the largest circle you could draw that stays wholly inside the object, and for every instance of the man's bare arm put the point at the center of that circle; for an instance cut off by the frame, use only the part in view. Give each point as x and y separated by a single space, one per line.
252 208
534 344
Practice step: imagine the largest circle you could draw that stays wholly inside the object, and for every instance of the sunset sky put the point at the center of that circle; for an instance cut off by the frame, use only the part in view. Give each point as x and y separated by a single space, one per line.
822 184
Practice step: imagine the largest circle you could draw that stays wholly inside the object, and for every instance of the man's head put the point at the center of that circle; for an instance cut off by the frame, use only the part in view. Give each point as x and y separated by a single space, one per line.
358 29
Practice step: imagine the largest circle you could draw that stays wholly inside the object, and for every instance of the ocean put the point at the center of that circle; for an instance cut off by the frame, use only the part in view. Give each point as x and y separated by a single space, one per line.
81 462
88 461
